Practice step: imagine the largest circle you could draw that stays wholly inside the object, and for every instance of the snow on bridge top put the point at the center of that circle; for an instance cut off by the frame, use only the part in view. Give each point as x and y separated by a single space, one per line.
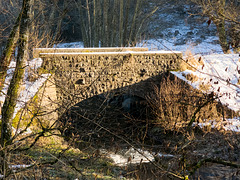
37 51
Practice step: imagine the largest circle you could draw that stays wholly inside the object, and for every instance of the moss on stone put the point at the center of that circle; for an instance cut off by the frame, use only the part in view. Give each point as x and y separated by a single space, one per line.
25 116
43 70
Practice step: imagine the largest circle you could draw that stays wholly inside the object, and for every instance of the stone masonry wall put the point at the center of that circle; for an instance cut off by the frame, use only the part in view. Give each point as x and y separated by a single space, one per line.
79 76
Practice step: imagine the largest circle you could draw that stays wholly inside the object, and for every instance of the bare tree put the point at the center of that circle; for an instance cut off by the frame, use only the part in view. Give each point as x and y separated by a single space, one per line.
45 28
225 15
13 90
112 22
9 50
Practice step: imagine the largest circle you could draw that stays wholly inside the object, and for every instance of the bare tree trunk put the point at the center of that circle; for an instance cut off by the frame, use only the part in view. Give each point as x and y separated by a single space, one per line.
114 35
110 22
99 28
13 90
138 31
82 24
131 34
89 25
60 17
222 36
105 22
216 11
9 50
234 34
121 24
125 33
220 24
95 30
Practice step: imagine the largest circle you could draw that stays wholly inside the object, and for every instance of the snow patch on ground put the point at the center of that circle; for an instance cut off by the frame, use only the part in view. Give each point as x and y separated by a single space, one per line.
131 156
222 73
70 45
14 167
227 125
204 47
19 166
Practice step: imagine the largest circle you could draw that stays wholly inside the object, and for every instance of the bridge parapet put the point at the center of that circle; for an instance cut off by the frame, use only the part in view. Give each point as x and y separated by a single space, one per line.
79 76
37 51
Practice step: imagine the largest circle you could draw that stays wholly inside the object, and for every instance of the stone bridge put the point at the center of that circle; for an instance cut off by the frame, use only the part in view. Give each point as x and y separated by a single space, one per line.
82 73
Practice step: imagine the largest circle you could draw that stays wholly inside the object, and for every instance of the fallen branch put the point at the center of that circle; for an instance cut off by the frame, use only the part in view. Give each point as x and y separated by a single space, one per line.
216 161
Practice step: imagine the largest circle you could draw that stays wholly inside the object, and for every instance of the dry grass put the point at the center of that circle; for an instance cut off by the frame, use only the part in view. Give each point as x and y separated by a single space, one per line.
204 87
72 164
190 63
190 77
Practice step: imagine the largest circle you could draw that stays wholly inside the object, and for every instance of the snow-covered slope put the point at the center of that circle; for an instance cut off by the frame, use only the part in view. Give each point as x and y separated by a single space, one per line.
221 72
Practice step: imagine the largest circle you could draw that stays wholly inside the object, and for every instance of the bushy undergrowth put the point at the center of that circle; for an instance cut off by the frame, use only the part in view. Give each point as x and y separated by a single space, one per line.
174 103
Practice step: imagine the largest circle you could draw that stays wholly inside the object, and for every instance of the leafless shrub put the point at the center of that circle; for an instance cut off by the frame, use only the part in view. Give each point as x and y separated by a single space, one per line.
174 102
